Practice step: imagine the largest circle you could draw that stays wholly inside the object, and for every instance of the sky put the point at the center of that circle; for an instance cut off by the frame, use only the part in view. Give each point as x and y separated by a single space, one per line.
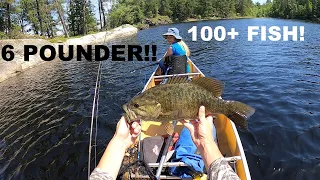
96 7
260 1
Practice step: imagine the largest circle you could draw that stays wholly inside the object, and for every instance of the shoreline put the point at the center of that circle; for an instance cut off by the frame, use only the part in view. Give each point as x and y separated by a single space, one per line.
217 18
189 20
160 21
12 68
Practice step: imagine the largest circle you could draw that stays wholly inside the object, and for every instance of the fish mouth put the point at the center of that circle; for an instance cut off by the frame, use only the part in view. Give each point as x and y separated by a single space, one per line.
129 114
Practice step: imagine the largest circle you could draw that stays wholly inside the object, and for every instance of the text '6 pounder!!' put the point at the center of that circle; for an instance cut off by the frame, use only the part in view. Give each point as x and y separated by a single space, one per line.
89 52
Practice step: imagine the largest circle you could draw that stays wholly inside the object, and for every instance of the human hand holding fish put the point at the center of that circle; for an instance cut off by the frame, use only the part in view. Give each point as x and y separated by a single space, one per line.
127 133
201 129
201 133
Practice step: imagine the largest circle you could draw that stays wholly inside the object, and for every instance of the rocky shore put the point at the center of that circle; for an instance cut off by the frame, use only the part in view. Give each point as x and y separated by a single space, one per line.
17 65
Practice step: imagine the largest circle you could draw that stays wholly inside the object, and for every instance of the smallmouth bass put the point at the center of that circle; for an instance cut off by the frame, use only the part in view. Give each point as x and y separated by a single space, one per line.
180 99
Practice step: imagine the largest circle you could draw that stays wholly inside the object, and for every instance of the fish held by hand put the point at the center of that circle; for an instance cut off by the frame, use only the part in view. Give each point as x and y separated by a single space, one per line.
180 99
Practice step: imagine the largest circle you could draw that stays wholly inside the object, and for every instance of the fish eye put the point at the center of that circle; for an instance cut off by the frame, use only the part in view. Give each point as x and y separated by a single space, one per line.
136 105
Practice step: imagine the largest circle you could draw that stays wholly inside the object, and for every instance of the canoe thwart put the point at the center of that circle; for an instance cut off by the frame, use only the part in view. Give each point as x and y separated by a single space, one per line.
175 75
175 164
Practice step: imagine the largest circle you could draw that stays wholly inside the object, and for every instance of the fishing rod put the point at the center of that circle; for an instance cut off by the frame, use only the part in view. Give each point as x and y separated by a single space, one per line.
94 119
156 63
149 65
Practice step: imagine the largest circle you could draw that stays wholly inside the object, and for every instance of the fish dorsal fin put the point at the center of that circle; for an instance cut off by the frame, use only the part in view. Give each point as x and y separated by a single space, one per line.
210 84
177 80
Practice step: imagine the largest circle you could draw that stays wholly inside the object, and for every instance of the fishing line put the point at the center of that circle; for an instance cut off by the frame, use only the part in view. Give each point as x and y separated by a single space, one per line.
146 66
96 121
94 114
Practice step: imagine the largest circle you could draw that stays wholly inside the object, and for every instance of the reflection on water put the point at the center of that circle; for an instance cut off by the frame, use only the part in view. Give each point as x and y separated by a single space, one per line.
45 111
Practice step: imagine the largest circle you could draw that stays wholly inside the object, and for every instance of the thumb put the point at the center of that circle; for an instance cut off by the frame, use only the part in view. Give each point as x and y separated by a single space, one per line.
122 123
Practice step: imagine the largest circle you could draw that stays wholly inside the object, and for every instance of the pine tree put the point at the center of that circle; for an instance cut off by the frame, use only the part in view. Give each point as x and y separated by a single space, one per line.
59 10
76 18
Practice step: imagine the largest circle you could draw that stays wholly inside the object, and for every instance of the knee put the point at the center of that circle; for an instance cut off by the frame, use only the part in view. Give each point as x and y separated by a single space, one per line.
161 63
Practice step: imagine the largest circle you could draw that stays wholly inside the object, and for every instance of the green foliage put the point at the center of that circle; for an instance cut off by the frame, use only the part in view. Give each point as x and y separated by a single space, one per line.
2 35
18 18
2 26
39 14
136 12
180 10
262 10
225 8
76 18
122 15
91 22
130 12
164 8
297 9
57 39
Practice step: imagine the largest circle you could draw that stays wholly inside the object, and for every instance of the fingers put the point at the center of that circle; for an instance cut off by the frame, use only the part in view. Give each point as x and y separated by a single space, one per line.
135 129
182 121
122 120
122 123
187 125
190 127
210 119
202 113
134 125
194 122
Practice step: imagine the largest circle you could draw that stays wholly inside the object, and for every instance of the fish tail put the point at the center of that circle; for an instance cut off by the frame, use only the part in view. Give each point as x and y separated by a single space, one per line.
239 113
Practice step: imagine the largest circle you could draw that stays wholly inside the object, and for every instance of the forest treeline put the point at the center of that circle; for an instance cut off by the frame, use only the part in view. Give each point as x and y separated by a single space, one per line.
46 17
77 17
136 11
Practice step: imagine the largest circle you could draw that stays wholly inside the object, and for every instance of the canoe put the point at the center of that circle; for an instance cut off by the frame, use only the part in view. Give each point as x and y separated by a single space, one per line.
228 138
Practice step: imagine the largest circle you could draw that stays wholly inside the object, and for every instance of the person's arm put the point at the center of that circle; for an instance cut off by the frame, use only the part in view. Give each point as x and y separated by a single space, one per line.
111 160
168 53
201 133
209 152
220 169
112 157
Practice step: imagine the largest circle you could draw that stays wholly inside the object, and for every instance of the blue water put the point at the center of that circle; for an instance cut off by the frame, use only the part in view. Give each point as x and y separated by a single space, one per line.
45 111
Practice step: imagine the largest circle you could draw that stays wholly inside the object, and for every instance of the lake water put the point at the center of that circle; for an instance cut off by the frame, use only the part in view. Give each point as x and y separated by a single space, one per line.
46 111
